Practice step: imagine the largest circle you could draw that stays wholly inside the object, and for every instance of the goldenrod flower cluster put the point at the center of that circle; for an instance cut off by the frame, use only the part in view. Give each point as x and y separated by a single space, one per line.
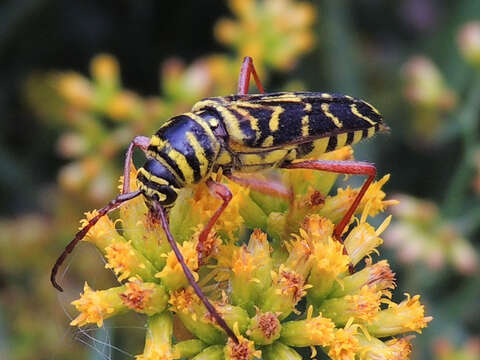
272 270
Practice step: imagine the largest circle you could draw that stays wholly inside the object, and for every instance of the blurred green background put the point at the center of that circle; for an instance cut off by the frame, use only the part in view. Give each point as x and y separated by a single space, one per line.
79 79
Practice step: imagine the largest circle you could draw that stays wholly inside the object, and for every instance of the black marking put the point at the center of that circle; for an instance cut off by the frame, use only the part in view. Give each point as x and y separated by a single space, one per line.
174 132
350 137
364 133
289 124
304 149
168 191
161 153
332 143
157 169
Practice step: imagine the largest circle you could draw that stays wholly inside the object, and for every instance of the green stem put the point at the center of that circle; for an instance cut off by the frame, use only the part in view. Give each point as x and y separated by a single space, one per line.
469 127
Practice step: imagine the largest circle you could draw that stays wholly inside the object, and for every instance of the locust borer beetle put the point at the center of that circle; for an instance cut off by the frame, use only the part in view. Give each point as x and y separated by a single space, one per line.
242 133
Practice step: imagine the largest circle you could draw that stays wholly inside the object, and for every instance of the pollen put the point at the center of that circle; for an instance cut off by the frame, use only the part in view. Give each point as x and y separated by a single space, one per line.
344 345
189 252
316 228
120 258
329 258
401 348
206 205
319 329
103 230
243 350
96 306
365 304
183 300
290 283
375 196
381 275
407 316
243 262
268 324
412 312
136 297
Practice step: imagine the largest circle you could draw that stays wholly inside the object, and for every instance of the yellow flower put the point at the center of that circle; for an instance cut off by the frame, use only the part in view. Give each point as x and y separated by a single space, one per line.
126 261
373 348
313 331
206 205
103 233
362 306
158 342
262 24
96 306
146 298
407 316
243 350
264 328
336 206
76 90
172 274
105 68
345 344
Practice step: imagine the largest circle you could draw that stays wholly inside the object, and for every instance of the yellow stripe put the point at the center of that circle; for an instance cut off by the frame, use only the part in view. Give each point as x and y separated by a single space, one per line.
355 111
357 136
224 158
373 108
198 119
319 147
199 153
253 121
165 164
341 140
336 120
371 131
156 141
308 107
231 121
182 163
268 141
326 96
275 119
282 98
305 126
151 177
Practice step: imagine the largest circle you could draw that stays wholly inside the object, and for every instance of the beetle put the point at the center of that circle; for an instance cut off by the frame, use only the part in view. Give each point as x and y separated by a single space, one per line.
242 133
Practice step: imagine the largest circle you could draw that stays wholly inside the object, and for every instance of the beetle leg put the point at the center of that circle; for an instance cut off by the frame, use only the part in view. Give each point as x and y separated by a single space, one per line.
211 309
138 141
219 191
112 205
244 79
271 188
342 167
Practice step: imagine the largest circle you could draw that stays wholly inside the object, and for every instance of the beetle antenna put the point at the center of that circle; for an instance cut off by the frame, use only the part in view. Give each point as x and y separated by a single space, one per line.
211 309
112 205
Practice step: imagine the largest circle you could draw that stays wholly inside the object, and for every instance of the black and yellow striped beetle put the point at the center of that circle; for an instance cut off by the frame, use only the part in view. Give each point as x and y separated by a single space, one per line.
243 133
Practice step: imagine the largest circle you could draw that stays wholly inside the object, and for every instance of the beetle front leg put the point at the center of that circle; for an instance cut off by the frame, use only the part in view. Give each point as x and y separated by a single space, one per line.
159 211
141 142
219 191
244 79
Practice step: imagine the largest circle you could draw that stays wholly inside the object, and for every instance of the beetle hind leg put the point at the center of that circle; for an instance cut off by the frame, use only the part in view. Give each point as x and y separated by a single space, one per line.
341 167
244 79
